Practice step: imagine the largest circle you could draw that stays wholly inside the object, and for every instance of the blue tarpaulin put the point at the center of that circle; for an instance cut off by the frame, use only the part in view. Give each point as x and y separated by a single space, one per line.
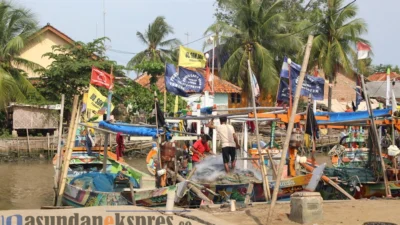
103 182
206 110
130 130
349 116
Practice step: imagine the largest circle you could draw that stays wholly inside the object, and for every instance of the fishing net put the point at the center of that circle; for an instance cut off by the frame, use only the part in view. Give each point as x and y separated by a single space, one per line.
346 174
103 182
211 171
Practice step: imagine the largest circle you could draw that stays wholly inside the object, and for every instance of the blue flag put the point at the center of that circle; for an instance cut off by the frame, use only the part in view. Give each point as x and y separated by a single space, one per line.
283 91
191 80
184 81
169 73
313 86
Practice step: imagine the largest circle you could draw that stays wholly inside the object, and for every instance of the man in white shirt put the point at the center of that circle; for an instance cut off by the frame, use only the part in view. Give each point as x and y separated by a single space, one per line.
229 142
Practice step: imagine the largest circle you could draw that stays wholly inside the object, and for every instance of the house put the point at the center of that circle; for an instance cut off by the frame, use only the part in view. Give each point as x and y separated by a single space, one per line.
383 76
226 94
42 42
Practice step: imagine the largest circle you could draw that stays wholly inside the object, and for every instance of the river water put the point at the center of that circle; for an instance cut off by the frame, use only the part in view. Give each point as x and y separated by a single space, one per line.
29 185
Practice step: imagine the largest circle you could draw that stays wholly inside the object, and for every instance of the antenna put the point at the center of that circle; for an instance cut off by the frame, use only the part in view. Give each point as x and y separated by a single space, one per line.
104 26
104 17
187 38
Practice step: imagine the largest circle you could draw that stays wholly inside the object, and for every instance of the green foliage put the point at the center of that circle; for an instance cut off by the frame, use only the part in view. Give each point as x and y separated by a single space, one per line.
153 68
142 99
16 27
158 51
335 40
382 68
70 71
255 30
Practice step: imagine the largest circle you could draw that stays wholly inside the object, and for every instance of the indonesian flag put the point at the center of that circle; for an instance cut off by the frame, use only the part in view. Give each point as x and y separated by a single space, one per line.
363 50
102 79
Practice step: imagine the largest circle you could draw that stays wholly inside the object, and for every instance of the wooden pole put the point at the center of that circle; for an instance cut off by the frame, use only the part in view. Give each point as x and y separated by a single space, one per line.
132 193
290 126
262 163
190 186
29 145
375 138
159 166
107 136
329 181
48 144
68 152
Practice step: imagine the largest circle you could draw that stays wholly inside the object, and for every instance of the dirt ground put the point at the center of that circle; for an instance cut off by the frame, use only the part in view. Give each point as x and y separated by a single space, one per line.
344 212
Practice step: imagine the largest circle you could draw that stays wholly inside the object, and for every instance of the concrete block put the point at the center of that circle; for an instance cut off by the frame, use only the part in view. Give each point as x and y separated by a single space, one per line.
306 207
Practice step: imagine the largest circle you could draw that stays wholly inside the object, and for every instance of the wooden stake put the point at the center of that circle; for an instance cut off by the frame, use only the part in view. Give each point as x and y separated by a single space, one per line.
263 172
132 194
106 136
290 126
375 138
29 145
68 152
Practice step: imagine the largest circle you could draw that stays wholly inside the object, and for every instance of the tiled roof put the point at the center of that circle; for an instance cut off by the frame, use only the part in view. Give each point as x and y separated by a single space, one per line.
382 76
220 85
50 28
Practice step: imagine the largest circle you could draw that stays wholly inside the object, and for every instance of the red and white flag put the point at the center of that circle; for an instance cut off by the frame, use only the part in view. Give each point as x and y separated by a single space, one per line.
363 50
102 79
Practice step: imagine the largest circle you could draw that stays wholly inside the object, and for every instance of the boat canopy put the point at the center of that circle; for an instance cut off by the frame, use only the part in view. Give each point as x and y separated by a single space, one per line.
130 130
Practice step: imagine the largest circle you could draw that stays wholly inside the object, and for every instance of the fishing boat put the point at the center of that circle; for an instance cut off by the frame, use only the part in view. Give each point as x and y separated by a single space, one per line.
220 187
88 185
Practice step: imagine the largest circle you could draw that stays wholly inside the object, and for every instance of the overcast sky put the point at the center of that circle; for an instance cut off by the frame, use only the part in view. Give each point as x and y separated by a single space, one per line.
83 20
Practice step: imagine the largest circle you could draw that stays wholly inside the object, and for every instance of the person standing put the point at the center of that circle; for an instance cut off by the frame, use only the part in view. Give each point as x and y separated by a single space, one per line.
229 142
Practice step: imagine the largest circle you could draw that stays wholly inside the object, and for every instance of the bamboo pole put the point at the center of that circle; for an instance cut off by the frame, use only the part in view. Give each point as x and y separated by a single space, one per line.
132 193
290 126
159 166
267 193
106 136
68 152
190 186
375 138
329 181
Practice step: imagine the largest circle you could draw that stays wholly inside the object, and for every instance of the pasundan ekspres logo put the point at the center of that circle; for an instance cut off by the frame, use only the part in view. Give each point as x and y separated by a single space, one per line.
77 219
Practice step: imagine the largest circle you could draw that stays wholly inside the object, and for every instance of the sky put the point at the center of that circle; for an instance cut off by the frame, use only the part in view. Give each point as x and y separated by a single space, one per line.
83 20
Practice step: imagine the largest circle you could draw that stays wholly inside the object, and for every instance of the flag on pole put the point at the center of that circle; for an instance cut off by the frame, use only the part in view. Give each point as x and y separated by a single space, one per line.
101 79
363 50
254 83
95 101
191 58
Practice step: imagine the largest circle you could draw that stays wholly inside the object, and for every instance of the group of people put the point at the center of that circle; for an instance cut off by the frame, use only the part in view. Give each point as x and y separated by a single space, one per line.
229 144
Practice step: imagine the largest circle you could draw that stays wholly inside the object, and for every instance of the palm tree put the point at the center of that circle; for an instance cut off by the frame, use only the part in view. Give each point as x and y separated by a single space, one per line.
335 40
157 47
258 31
17 25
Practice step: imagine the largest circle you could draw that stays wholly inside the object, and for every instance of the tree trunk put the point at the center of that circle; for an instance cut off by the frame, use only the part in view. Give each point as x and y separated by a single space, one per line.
330 99
330 94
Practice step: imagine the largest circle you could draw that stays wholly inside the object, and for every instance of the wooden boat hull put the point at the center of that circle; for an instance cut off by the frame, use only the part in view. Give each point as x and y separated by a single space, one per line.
77 197
238 192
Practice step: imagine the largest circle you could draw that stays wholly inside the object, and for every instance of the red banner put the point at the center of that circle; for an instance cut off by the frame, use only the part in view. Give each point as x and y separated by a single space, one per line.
102 79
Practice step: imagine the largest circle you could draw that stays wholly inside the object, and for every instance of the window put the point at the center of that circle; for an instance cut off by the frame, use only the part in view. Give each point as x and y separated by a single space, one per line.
236 98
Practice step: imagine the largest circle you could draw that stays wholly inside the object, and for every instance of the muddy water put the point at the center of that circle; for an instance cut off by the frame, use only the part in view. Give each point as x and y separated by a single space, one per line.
30 185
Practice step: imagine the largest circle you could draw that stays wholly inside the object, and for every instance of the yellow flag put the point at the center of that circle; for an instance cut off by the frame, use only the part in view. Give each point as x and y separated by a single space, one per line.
95 100
191 58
